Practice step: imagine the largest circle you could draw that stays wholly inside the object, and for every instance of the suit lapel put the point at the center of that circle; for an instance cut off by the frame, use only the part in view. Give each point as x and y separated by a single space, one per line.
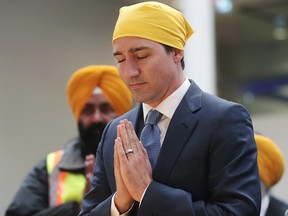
179 131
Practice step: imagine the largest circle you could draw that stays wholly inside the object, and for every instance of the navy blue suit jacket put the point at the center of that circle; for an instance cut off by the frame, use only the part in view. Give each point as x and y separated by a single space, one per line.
276 207
207 164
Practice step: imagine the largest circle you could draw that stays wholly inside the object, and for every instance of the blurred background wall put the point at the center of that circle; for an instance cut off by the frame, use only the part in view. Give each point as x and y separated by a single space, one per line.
43 42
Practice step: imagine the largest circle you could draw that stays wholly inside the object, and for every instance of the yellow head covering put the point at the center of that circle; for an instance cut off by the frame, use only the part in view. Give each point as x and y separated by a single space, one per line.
270 160
85 80
154 21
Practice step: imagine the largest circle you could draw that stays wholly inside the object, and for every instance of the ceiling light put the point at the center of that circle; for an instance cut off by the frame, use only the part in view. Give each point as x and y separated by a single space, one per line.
280 31
224 6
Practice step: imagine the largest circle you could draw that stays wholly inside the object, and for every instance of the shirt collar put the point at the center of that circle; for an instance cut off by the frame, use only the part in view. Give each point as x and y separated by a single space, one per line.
170 104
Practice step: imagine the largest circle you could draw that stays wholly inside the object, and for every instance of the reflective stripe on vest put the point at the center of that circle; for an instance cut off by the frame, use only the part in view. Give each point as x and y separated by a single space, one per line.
63 186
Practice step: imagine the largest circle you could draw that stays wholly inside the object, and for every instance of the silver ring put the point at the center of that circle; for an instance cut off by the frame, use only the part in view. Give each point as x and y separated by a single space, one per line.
130 150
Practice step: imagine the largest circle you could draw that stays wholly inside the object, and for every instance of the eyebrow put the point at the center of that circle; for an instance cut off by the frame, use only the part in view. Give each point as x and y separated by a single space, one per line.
132 50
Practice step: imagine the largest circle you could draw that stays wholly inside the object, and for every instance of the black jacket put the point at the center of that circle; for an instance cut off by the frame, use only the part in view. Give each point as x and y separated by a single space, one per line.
277 207
32 198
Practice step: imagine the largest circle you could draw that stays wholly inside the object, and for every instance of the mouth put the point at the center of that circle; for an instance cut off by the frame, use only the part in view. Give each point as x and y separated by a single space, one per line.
97 131
136 86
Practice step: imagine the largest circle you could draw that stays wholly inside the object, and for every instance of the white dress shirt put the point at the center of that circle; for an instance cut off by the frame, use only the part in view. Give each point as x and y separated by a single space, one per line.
167 108
265 199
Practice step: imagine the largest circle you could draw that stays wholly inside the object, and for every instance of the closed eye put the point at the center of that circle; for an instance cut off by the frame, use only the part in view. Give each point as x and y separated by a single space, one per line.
118 56
142 57
120 60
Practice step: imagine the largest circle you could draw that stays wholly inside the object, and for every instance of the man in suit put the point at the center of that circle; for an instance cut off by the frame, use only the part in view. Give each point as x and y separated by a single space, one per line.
207 164
271 164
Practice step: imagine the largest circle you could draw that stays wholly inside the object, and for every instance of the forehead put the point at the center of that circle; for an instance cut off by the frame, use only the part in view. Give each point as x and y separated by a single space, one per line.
132 43
97 99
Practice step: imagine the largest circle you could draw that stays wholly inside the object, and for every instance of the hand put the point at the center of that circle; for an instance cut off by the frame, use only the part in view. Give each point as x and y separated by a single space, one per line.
135 168
123 200
89 167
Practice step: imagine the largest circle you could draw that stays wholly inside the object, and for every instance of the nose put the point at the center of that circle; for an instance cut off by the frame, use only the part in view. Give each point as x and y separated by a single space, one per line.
97 116
131 68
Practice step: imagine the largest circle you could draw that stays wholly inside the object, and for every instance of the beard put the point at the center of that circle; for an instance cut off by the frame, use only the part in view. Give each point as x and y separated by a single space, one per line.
90 137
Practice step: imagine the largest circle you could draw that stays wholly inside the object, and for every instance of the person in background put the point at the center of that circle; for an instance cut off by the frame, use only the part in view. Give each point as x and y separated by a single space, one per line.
56 185
196 154
271 164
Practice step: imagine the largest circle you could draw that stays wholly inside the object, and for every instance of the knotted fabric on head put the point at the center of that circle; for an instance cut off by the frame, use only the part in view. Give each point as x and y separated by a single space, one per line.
270 160
154 21
85 80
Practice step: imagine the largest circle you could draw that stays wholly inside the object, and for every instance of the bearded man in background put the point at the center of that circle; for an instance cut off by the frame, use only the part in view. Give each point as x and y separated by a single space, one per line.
56 185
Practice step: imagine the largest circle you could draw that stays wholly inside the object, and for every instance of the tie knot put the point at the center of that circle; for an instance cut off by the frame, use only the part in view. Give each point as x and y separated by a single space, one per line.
153 117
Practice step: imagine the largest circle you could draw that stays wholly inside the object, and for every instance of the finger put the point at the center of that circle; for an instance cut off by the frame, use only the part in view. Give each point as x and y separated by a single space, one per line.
120 151
125 133
89 162
121 122
118 132
117 166
124 136
132 139
135 142
90 159
131 136
116 159
147 161
133 133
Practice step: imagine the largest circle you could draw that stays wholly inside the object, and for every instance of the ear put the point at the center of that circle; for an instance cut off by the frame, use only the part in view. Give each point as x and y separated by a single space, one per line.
178 55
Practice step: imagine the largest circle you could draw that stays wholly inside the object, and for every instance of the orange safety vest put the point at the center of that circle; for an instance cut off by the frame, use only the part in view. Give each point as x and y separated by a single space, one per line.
63 186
